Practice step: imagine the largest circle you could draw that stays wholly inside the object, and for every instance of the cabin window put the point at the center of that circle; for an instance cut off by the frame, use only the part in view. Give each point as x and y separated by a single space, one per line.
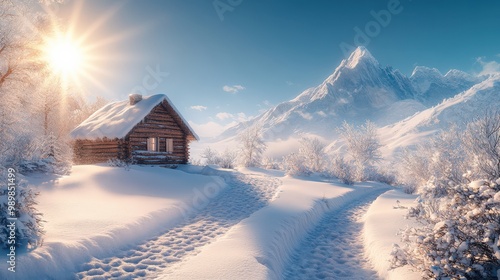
170 146
153 144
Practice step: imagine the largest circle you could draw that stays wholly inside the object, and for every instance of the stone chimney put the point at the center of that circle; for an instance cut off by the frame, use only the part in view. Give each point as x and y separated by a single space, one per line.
134 98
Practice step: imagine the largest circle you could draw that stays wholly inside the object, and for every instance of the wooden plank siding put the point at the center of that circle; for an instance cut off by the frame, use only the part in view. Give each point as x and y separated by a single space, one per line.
159 123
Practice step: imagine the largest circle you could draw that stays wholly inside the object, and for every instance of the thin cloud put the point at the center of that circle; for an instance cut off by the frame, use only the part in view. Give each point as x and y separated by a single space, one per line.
224 115
199 108
489 67
233 89
238 117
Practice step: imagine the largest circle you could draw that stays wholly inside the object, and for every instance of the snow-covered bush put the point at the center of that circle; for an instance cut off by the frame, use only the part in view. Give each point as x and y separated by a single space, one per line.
294 164
29 228
441 158
363 149
459 233
228 159
340 169
310 158
224 160
451 153
252 146
272 163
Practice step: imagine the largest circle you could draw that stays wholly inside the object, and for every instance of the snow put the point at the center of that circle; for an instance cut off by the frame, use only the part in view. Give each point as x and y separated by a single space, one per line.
358 55
186 239
384 219
117 119
261 246
456 110
97 210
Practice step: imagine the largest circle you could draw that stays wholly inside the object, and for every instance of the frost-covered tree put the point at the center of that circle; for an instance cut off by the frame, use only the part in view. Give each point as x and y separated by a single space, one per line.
309 158
312 151
252 146
363 148
482 144
29 119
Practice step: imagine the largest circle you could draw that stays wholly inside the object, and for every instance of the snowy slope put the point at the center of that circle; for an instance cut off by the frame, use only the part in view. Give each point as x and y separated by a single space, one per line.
260 247
98 210
359 89
453 111
380 235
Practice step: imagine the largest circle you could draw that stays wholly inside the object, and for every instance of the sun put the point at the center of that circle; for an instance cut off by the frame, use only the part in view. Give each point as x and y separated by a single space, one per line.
64 56
74 52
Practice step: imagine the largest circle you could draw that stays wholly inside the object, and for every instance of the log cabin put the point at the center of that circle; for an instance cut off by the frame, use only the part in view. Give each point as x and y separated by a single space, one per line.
142 130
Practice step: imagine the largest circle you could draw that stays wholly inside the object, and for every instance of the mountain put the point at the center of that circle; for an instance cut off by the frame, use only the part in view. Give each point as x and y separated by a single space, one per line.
359 89
432 87
453 111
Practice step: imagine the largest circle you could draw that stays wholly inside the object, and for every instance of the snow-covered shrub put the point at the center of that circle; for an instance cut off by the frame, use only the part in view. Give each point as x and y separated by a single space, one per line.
363 149
451 153
272 163
29 228
211 156
309 158
252 146
459 233
340 169
224 160
294 164
228 159
442 158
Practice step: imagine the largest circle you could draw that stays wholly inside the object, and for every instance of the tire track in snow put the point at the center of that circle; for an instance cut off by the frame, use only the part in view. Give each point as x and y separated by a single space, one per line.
334 249
244 195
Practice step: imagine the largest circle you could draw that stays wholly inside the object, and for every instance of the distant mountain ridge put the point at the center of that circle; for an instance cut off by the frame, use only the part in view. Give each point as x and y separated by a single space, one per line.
359 89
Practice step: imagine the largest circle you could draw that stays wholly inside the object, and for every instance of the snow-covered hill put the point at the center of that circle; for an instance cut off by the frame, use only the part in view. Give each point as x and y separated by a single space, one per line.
432 87
359 89
453 111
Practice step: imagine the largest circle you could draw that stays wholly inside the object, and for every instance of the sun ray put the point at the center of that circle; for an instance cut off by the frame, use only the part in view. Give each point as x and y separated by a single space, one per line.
74 52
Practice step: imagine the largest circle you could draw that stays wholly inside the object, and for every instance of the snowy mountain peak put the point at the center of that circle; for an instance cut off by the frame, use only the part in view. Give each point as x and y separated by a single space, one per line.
425 71
358 55
359 89
455 74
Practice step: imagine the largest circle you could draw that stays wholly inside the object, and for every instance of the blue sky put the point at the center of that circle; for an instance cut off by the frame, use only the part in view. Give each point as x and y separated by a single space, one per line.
228 60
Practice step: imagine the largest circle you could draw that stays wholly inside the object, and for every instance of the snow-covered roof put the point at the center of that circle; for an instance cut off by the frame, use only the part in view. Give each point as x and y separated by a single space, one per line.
117 119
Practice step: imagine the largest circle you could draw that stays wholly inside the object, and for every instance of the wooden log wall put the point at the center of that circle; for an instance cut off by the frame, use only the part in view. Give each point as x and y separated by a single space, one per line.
159 123
96 151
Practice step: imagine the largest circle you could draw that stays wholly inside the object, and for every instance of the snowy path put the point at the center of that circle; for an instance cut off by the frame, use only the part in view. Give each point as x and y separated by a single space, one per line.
244 195
334 249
